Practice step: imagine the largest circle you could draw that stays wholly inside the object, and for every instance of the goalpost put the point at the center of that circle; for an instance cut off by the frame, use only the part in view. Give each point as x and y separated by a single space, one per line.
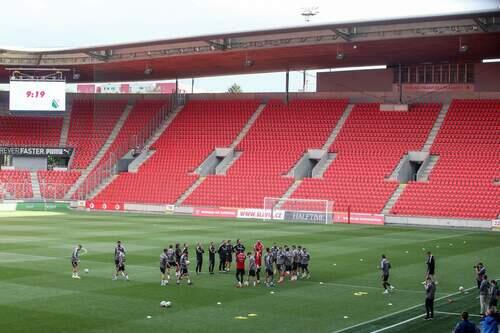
298 210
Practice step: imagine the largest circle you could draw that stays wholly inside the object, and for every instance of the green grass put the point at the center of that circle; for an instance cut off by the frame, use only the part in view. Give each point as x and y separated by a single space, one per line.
38 294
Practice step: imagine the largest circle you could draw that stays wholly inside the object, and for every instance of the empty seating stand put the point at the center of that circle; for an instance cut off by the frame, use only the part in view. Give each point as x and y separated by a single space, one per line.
368 148
30 131
195 132
15 184
55 184
91 124
276 141
461 184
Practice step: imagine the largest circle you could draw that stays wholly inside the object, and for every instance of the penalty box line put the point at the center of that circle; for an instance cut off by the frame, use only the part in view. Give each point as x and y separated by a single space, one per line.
398 312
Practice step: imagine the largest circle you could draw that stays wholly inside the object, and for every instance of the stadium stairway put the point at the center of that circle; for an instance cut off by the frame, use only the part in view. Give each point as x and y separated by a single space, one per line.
435 129
326 146
65 127
247 126
424 174
241 135
101 153
338 127
147 152
35 185
392 200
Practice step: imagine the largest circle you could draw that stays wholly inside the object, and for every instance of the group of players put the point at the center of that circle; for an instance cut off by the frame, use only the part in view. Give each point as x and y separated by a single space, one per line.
284 261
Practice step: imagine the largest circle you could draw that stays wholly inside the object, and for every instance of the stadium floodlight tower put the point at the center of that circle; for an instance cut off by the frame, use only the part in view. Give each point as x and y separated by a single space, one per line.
309 12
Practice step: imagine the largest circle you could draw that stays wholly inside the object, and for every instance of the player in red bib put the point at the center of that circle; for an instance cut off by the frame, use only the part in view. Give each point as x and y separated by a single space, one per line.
240 268
258 247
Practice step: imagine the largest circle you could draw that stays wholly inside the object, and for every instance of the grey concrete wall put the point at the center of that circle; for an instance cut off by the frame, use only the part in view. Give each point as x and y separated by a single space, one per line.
437 222
29 163
370 80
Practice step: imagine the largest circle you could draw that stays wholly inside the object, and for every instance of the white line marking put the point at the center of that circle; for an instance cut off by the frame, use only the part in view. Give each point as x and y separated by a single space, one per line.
455 314
361 287
397 324
398 312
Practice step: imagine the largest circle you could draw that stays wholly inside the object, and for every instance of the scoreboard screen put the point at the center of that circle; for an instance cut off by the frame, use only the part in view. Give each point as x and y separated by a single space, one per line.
29 95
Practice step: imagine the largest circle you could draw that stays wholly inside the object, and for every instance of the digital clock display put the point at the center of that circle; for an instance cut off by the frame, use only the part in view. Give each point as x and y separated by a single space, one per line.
26 95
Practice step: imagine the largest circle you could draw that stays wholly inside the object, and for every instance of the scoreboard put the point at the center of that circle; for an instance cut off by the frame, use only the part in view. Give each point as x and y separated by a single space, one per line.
36 95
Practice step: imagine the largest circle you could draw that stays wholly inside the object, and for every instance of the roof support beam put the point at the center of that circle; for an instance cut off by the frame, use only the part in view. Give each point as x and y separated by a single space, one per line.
100 55
39 60
345 35
483 26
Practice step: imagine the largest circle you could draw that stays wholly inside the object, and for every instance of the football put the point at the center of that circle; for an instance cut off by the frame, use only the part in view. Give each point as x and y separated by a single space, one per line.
461 289
163 304
187 262
86 270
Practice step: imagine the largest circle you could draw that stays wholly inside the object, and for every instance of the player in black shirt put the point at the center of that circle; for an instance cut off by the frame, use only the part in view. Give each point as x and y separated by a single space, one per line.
229 255
222 256
199 258
239 247
431 267
178 254
211 258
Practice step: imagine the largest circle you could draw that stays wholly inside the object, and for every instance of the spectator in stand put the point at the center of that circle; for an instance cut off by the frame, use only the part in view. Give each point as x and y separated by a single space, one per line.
465 326
484 292
489 324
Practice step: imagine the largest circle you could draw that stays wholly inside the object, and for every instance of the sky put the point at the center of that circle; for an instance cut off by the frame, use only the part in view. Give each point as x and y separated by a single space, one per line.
77 23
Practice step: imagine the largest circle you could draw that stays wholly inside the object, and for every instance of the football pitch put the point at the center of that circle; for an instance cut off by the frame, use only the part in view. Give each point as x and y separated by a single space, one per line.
343 295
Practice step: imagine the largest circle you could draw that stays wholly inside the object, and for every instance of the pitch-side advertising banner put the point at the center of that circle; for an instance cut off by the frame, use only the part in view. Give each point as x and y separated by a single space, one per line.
358 218
257 213
215 212
495 225
104 205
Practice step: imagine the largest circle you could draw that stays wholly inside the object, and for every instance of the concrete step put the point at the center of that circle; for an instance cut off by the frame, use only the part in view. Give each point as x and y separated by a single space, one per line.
65 128
288 193
102 186
189 191
338 127
424 175
35 185
146 151
247 126
321 171
236 156
102 151
393 199
395 172
435 128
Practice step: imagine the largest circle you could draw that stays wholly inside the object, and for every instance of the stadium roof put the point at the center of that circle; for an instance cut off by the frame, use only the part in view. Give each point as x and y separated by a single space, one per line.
457 38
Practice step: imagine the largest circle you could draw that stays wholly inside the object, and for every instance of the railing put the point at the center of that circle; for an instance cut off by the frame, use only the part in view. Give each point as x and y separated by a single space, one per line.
136 143
24 191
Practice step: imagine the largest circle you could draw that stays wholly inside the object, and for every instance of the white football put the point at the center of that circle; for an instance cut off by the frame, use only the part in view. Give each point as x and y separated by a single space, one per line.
187 262
461 289
86 270
163 304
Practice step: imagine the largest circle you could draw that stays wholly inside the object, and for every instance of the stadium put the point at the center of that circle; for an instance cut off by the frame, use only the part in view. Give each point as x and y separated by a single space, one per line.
395 154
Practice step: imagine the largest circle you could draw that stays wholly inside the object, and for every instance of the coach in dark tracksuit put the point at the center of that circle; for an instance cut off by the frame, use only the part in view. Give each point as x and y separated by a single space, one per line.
211 258
431 266
430 293
199 258
222 256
